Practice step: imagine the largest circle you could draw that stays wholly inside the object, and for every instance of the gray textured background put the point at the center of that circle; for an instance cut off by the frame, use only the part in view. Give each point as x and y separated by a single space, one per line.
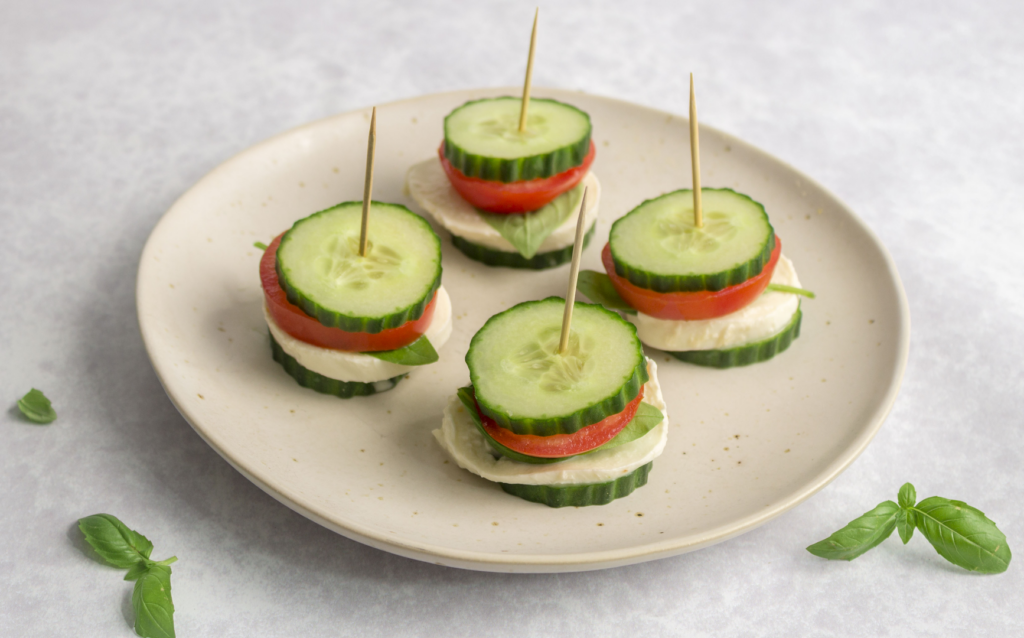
910 112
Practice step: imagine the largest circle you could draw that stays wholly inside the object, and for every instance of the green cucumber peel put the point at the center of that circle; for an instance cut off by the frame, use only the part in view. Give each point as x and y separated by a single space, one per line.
647 418
36 407
260 245
418 353
120 546
597 287
961 534
527 231
790 289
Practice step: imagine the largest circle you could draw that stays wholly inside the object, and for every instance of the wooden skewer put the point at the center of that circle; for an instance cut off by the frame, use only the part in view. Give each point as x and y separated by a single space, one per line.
371 150
698 213
529 74
574 273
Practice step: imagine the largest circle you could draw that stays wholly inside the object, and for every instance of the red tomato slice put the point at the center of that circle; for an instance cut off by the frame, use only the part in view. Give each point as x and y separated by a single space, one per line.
298 324
558 445
515 197
704 304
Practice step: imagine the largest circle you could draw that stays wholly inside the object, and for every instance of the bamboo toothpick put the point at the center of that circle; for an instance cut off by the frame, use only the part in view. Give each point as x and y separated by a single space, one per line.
529 74
371 150
574 273
698 213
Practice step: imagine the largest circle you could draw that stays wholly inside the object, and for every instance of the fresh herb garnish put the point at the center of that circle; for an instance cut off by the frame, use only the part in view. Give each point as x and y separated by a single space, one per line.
791 289
122 547
260 245
527 231
418 353
36 407
960 533
597 287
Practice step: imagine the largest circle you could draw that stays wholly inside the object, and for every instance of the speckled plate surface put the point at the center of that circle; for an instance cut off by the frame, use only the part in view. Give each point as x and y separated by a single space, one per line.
745 444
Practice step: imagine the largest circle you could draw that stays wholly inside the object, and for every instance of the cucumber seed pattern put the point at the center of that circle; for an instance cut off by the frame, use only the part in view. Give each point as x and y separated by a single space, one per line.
506 127
680 235
341 265
540 362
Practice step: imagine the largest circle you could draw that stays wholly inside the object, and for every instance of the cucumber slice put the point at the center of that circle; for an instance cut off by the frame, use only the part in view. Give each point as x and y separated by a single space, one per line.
326 385
746 354
581 495
656 246
540 261
320 269
526 386
482 139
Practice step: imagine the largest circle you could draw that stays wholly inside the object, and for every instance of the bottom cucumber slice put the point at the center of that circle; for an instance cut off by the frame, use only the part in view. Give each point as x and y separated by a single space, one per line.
540 261
581 495
746 354
326 385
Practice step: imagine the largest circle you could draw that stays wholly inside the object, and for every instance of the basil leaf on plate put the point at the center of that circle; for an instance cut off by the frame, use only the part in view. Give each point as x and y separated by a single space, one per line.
151 600
527 231
597 287
417 353
860 535
36 407
114 541
963 535
260 245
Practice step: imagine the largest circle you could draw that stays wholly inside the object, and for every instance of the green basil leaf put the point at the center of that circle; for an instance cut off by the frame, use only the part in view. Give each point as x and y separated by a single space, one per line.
963 535
36 407
260 245
417 353
791 289
905 525
468 399
647 417
137 570
114 542
527 231
859 535
908 496
597 287
151 599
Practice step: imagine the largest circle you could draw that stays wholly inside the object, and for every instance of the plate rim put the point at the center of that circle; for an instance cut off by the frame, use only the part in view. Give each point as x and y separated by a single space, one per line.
539 563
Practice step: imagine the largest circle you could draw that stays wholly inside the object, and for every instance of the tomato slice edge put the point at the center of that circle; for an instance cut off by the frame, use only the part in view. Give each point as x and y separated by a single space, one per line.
296 323
515 197
691 306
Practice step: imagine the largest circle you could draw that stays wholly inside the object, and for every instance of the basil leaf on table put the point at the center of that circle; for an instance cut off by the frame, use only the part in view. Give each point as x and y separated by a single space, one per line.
860 535
527 231
963 535
36 407
418 353
114 541
597 287
151 600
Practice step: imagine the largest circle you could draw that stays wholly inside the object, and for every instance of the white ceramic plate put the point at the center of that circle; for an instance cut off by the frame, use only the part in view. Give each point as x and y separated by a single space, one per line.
745 444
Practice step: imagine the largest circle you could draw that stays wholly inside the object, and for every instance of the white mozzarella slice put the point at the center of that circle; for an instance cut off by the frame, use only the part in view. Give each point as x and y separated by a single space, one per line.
766 317
464 442
356 366
427 183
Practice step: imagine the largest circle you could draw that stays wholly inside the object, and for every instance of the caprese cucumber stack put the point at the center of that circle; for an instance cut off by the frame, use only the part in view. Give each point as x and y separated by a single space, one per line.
720 294
563 428
352 324
507 193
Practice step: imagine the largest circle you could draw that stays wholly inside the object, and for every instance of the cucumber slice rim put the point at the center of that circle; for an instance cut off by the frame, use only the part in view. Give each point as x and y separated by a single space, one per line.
694 281
357 323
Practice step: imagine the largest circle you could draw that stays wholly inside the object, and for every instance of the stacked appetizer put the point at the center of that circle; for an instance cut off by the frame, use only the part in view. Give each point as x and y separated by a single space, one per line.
507 195
579 427
701 293
347 324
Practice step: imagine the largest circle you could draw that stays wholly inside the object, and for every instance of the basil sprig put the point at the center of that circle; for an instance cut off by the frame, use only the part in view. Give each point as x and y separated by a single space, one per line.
960 533
123 547
36 407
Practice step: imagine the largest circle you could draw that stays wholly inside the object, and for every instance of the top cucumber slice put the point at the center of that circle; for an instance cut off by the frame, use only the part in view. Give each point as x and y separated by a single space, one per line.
320 269
482 139
525 385
657 247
